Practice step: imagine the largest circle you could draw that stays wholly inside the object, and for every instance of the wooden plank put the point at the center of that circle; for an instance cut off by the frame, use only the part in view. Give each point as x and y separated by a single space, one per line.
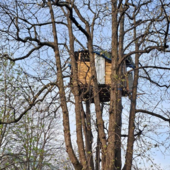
84 72
108 73
108 81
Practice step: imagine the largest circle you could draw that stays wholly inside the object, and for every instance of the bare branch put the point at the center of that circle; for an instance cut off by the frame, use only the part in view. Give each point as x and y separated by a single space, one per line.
152 114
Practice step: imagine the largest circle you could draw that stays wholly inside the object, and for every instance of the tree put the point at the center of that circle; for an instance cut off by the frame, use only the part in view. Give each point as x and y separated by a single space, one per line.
30 143
139 29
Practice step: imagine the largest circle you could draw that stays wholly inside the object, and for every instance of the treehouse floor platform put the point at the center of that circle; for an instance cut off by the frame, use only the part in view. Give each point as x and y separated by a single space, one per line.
86 93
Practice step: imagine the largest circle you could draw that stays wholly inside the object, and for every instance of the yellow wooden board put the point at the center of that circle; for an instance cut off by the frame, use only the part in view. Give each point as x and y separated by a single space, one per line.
84 72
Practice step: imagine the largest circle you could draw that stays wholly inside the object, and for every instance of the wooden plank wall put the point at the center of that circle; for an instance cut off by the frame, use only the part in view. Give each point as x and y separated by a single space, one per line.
84 72
107 73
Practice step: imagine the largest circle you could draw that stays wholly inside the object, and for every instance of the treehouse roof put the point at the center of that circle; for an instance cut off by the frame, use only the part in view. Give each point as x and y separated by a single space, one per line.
106 55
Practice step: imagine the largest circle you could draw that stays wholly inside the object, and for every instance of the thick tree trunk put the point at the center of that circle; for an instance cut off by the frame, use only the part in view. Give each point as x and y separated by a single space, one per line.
118 161
67 137
129 151
97 167
75 89
89 137
100 122
110 160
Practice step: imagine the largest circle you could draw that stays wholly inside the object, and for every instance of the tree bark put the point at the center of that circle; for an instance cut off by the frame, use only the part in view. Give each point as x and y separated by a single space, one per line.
100 122
67 137
97 159
118 161
129 151
110 160
75 89
89 137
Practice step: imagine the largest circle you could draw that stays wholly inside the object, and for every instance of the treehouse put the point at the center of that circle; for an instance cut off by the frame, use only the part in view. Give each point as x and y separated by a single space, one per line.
103 70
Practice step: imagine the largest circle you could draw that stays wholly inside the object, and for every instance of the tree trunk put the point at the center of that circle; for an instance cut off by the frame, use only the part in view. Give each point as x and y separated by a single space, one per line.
129 151
97 167
118 161
67 137
100 122
75 90
110 160
89 137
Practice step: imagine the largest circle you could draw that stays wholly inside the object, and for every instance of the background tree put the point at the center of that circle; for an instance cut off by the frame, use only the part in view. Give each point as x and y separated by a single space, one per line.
30 143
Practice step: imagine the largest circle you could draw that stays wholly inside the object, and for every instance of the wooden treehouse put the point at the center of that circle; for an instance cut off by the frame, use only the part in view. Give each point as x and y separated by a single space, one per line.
103 70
